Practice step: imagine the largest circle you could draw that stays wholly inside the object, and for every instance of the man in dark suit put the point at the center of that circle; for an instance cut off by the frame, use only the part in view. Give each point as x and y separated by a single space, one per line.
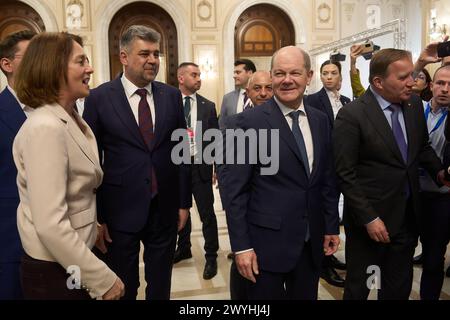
237 100
329 101
12 116
144 195
281 224
379 141
199 111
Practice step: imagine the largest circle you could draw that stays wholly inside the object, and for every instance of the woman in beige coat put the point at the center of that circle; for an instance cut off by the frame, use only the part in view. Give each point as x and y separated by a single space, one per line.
56 156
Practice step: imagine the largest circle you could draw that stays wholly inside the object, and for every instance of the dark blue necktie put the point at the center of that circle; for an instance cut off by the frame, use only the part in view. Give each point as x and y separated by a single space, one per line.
299 139
398 132
187 110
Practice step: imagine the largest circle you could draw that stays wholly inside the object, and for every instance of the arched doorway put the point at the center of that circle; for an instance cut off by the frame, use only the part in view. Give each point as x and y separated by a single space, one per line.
16 16
153 16
261 30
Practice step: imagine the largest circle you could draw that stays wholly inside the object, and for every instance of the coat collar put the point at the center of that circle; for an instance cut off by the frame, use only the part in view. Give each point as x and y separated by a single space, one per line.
11 112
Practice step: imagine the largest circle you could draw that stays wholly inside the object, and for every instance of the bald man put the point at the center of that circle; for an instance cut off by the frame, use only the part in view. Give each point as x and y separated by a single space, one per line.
259 87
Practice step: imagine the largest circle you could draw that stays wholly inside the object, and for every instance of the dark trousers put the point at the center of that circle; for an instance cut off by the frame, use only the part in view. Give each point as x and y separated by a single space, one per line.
159 246
45 280
10 288
204 198
395 262
238 284
299 284
435 237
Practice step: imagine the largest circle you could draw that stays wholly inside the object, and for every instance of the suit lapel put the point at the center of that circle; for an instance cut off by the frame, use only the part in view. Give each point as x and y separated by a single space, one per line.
120 103
277 120
235 101
11 111
327 104
160 113
381 125
315 133
202 111
409 117
86 143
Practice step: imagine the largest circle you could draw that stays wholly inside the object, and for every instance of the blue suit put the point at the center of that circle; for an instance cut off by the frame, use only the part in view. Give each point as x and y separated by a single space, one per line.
124 201
270 213
11 119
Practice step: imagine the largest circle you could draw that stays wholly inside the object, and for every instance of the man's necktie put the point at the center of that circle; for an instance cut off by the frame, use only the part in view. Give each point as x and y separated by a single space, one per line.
146 129
247 102
299 139
400 138
398 132
187 110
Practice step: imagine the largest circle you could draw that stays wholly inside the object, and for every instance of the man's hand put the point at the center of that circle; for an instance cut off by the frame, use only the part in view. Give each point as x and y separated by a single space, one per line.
247 265
377 231
331 244
428 55
116 292
183 215
102 235
441 178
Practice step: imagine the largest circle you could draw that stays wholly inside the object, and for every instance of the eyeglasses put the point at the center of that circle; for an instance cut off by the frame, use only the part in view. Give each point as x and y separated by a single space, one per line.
421 77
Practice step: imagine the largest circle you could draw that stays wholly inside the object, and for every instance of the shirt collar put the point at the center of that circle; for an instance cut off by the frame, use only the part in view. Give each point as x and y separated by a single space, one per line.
130 88
286 110
192 96
332 95
384 104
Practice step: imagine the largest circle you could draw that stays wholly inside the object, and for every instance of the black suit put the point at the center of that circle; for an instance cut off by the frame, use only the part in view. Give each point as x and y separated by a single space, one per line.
374 179
202 188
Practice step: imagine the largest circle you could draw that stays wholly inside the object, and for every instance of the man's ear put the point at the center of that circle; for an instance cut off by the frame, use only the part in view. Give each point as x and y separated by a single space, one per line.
123 55
309 75
5 65
377 82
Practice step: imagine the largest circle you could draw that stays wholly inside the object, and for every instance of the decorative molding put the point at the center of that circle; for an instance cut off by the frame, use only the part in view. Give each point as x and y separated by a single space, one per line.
204 14
324 11
76 15
348 9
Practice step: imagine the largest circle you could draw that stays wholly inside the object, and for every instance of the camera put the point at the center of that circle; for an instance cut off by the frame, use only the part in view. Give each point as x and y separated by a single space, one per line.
443 49
367 48
337 56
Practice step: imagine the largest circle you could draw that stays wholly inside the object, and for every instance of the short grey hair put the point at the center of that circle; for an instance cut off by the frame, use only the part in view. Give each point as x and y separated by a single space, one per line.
141 32
306 58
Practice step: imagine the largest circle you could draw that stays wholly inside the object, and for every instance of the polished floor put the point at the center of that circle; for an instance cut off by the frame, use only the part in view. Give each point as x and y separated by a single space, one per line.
188 283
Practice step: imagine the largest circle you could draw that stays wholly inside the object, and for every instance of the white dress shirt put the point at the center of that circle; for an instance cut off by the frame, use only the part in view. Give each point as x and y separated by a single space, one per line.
335 101
193 124
133 98
240 104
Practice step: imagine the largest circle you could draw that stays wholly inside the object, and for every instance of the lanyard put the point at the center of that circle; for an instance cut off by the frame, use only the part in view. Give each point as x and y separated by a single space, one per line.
440 121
